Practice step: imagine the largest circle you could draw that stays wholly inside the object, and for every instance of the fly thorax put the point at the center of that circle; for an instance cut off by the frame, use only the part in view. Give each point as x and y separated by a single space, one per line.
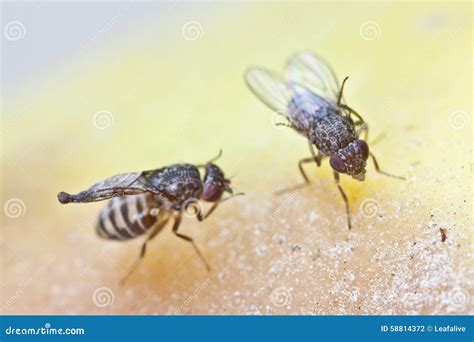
332 133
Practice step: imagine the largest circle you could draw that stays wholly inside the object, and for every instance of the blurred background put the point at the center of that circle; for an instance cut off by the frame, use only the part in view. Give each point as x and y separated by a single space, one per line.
92 89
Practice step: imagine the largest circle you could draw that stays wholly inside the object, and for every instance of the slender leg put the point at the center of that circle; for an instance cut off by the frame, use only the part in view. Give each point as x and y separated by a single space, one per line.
150 236
317 158
344 197
360 122
352 111
202 217
314 157
303 174
377 168
177 221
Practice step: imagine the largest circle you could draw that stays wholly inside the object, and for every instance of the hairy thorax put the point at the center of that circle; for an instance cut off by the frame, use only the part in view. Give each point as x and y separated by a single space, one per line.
332 133
181 182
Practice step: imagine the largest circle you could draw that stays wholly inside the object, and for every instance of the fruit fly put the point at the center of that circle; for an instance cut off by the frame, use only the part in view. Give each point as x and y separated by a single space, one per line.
308 95
144 202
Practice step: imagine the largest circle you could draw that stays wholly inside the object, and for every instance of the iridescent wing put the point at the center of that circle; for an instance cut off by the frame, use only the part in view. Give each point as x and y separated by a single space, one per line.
270 89
298 104
313 73
119 185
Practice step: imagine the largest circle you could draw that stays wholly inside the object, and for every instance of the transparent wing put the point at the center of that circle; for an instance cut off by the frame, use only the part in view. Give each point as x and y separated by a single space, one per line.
119 185
312 72
270 89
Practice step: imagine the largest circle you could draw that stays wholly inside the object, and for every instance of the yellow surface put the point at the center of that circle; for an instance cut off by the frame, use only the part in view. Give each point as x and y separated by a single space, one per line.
173 99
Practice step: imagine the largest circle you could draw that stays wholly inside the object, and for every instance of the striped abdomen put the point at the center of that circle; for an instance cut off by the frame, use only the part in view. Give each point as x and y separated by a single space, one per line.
127 217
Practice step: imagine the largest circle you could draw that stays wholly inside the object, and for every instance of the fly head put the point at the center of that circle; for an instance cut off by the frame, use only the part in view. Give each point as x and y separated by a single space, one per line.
351 159
215 183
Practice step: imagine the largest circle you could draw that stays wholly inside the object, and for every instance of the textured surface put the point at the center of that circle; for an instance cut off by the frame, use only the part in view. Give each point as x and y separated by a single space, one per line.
152 97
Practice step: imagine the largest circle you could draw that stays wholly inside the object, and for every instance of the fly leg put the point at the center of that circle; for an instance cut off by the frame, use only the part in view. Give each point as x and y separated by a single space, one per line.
362 125
377 168
177 221
314 157
303 174
344 197
197 209
317 158
201 217
302 171
360 122
150 236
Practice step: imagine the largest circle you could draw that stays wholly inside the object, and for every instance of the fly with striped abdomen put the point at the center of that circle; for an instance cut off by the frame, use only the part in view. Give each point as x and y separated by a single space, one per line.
144 202
310 98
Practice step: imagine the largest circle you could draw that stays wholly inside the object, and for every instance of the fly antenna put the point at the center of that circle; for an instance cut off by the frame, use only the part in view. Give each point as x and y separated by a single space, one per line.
212 160
231 196
216 157
339 98
232 176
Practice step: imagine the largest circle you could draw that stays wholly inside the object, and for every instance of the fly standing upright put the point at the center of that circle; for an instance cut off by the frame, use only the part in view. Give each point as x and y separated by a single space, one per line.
310 98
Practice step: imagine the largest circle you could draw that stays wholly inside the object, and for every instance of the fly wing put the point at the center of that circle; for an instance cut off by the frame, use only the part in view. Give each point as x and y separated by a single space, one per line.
313 73
293 100
270 89
119 185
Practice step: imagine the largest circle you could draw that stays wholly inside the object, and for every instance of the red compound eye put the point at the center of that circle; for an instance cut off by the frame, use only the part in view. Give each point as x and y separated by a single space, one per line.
337 163
362 148
212 192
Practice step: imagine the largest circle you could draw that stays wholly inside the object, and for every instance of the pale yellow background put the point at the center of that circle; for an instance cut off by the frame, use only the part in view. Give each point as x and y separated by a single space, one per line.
172 99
